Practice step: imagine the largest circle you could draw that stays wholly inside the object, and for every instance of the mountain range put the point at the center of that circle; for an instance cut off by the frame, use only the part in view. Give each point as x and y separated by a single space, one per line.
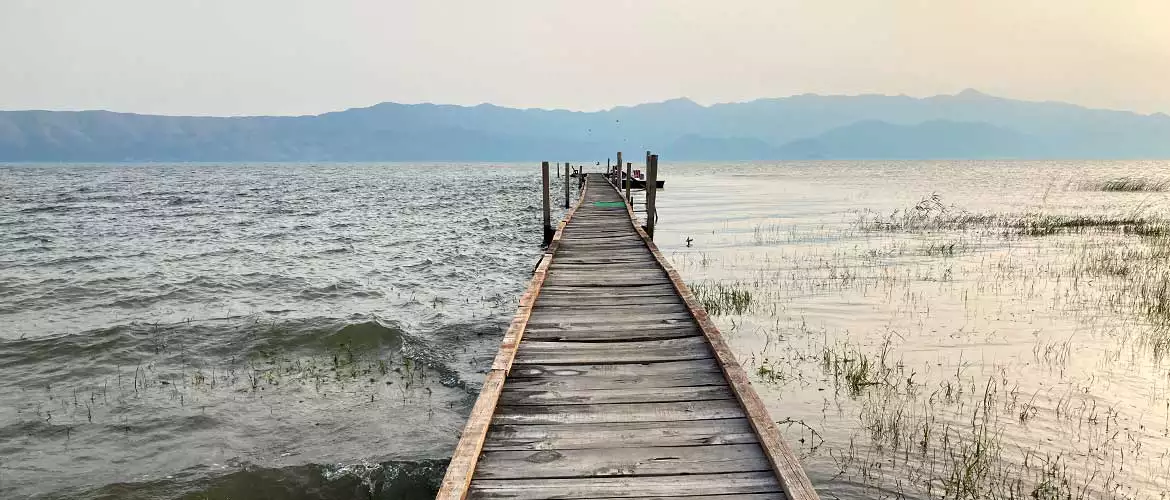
969 124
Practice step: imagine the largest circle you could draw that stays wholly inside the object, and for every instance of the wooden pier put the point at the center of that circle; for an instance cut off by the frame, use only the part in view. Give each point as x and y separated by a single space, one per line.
612 382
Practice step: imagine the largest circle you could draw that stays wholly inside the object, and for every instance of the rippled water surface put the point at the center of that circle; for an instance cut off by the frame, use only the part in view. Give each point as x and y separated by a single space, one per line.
919 329
250 330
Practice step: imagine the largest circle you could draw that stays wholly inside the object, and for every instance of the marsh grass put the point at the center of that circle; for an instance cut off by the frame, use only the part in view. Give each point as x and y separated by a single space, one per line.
933 215
1128 185
917 429
723 298
1002 424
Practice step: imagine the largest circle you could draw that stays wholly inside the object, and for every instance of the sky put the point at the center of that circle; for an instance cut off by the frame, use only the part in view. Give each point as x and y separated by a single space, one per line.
291 57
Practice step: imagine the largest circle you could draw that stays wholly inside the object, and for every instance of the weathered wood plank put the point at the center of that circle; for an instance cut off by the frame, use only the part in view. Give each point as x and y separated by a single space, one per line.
709 459
590 382
550 396
738 483
552 353
550 290
592 302
613 371
594 333
620 412
595 281
624 309
620 435
568 318
750 496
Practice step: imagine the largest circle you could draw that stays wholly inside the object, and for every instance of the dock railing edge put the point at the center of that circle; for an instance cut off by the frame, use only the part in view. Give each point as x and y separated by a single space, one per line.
457 479
787 467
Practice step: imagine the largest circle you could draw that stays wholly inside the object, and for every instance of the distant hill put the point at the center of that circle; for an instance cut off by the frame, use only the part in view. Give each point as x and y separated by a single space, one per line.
966 125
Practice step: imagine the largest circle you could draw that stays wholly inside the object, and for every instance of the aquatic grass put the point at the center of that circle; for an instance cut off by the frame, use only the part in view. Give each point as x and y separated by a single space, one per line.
933 215
915 431
953 434
1127 185
720 299
943 248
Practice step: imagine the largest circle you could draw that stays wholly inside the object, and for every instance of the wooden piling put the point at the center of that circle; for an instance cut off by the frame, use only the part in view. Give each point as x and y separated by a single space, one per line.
617 169
548 230
566 184
629 167
651 191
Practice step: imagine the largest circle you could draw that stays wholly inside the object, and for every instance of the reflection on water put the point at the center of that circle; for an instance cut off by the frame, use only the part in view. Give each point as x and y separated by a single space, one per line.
944 329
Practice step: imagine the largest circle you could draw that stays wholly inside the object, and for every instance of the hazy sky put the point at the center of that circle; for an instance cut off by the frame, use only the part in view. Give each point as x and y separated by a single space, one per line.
230 57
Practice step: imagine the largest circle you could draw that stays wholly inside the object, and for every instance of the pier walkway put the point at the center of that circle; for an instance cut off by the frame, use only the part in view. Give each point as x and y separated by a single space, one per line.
612 382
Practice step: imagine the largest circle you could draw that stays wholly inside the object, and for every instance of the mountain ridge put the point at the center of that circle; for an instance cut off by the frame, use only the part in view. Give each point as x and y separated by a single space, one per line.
968 124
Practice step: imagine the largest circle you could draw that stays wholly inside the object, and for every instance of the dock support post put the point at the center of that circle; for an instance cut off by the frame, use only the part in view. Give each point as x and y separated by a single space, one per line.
651 191
566 184
548 230
617 169
629 166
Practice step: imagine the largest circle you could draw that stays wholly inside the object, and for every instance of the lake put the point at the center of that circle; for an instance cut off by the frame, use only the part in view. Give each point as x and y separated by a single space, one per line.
941 329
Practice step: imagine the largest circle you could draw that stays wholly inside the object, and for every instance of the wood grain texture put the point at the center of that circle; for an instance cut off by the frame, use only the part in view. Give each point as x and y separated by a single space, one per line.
610 461
620 435
734 484
607 413
567 396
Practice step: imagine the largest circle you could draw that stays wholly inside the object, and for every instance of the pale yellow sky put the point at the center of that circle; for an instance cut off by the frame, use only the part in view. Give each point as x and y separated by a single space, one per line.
215 57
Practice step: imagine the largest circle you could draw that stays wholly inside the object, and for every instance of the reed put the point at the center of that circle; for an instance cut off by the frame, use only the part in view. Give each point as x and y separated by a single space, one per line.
1128 185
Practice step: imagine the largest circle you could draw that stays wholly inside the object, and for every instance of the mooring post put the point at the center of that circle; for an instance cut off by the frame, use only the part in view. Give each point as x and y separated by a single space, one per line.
617 169
651 188
548 230
566 184
629 167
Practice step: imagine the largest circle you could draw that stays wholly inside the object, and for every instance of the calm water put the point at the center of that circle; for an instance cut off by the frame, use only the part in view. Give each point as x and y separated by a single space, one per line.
1003 340
302 331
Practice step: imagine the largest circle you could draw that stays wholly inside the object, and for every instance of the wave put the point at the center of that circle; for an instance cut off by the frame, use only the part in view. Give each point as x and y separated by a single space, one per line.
398 480
48 209
106 351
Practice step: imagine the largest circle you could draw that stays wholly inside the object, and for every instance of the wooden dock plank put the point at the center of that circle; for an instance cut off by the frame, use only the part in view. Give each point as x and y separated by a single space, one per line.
620 435
645 351
610 461
551 396
617 384
735 484
551 380
620 412
606 333
619 311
